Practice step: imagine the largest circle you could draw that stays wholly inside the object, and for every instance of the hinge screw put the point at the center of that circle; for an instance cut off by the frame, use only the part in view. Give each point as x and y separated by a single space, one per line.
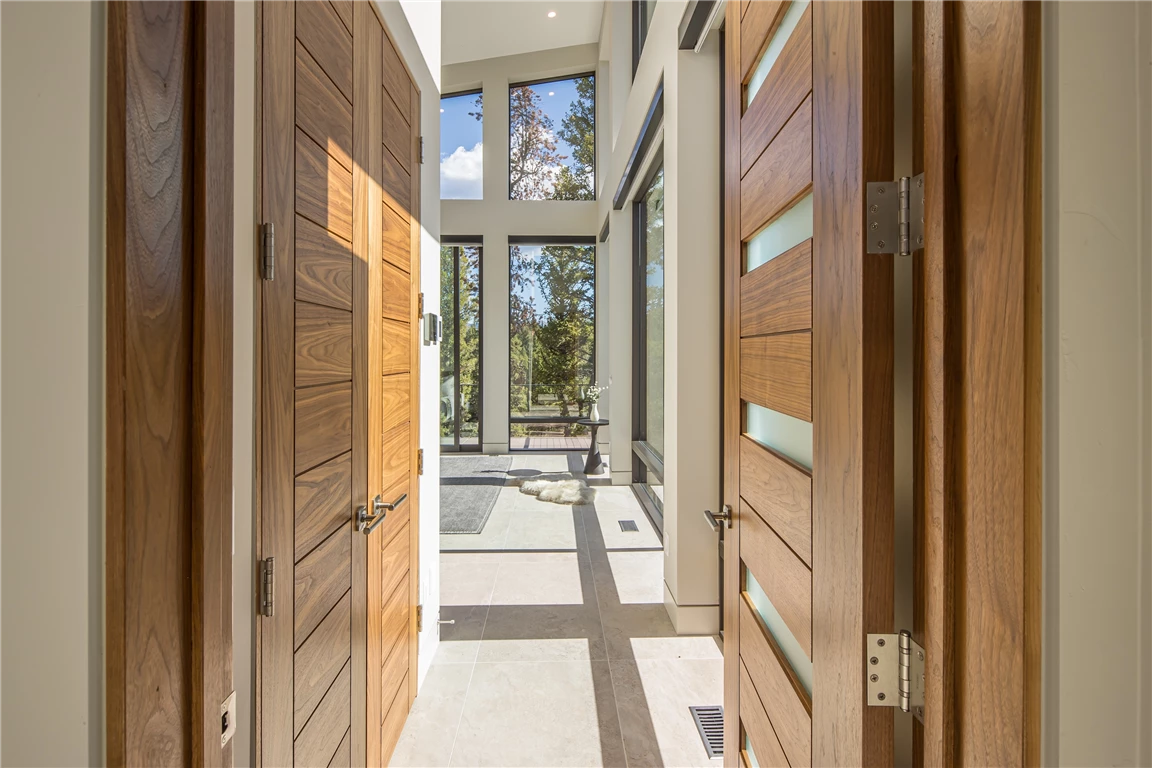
880 190
874 208
875 225
880 243
920 655
881 696
874 661
919 181
874 678
880 642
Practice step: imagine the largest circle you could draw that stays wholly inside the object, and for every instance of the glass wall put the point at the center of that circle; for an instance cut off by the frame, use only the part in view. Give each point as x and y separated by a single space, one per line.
648 362
462 146
552 344
460 360
552 140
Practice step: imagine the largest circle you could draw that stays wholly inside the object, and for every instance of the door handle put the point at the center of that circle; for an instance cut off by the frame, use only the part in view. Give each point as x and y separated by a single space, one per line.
366 524
715 520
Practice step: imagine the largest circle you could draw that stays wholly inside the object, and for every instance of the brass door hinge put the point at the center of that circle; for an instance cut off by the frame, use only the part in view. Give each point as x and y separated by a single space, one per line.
894 665
419 618
896 216
420 461
420 312
268 587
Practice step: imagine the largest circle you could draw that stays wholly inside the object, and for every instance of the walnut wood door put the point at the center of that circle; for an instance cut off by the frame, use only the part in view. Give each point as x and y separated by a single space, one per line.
334 323
808 381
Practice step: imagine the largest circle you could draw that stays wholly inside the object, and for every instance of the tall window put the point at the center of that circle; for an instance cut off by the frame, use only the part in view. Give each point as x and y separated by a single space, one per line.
462 146
552 310
552 140
648 448
460 391
642 11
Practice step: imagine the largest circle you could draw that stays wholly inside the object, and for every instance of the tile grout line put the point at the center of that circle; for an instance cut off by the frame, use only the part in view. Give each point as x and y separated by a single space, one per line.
472 674
604 635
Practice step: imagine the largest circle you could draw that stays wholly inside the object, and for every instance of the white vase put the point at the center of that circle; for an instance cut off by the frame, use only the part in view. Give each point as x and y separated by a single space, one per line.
594 413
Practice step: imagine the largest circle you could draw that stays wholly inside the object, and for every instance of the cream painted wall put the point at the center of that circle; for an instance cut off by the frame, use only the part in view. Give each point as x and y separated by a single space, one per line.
51 671
692 295
415 28
496 217
1098 384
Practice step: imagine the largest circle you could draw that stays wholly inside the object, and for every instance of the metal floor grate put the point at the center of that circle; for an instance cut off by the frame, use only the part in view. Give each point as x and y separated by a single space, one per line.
628 525
710 723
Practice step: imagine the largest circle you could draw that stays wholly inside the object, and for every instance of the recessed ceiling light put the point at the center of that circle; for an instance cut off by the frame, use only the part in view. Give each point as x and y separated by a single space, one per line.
441 109
551 93
551 14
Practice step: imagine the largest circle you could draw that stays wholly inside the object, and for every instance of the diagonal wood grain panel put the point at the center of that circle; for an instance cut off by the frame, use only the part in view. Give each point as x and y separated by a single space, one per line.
776 373
780 492
781 176
776 297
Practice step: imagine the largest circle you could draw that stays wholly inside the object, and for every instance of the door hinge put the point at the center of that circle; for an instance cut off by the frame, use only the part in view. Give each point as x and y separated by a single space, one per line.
895 668
420 312
421 150
896 215
268 587
419 618
268 251
420 461
227 719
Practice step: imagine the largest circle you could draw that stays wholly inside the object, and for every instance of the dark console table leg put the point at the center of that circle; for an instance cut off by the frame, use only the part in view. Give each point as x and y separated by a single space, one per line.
593 465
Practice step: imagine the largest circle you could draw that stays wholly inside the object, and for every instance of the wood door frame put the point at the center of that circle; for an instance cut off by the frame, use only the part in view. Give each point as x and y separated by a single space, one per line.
206 235
978 373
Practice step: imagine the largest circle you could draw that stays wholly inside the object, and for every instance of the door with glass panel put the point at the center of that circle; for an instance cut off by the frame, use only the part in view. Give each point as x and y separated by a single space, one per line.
648 363
460 358
807 376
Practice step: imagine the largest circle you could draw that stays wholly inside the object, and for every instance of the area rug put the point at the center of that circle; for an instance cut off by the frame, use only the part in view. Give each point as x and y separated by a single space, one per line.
558 489
469 487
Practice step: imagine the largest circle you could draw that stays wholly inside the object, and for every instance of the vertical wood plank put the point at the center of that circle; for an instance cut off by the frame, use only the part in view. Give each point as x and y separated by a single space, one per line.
367 233
214 31
277 401
852 324
732 409
414 485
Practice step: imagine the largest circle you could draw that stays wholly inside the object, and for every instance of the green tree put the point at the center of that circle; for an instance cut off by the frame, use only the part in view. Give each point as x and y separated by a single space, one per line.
578 130
533 157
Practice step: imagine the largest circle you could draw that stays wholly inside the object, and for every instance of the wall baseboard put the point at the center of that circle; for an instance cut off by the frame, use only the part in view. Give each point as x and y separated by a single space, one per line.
692 619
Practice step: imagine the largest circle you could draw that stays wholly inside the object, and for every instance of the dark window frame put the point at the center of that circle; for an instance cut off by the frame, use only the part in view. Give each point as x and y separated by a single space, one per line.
645 461
595 129
457 242
545 240
639 33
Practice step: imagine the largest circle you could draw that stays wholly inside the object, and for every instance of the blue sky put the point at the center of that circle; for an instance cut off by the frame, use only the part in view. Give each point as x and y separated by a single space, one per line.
461 138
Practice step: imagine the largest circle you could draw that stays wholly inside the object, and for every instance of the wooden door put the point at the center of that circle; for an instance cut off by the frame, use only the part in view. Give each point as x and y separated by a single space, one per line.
979 396
325 347
807 372
393 412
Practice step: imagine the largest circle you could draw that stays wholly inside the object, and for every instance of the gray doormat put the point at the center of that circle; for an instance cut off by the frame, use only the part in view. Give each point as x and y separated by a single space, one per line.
469 487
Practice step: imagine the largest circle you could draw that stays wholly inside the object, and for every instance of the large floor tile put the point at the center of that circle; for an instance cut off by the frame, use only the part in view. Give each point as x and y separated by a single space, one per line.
562 579
540 714
634 632
629 578
430 731
465 580
653 697
603 527
544 526
460 640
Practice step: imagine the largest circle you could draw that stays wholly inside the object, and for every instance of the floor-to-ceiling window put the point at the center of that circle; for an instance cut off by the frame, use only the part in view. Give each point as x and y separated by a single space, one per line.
552 341
648 353
460 358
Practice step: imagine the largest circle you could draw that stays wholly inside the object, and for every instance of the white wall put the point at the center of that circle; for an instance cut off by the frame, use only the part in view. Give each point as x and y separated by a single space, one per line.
52 361
495 217
692 294
1098 384
415 28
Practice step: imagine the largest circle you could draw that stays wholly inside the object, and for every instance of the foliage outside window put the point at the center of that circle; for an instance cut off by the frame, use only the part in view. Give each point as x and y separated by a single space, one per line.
552 140
552 338
462 147
460 390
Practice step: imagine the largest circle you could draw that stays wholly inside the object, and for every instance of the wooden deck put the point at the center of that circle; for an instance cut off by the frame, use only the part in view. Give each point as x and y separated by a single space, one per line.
549 443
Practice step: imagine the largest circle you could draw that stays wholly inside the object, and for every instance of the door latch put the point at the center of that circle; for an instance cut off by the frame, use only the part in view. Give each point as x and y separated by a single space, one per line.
895 668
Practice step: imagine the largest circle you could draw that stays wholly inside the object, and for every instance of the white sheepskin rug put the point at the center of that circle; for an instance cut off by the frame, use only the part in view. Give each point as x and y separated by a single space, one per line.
557 489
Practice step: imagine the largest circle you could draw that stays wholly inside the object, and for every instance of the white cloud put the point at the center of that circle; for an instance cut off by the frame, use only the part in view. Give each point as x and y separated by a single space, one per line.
462 174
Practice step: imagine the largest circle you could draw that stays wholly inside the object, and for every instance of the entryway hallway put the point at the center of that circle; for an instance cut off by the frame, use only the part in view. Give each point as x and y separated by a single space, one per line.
562 652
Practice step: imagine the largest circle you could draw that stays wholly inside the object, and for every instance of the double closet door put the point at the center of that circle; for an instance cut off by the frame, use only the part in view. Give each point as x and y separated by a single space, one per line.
338 397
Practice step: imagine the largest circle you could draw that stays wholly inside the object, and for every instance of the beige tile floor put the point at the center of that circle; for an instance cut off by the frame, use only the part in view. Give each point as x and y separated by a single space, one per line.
562 653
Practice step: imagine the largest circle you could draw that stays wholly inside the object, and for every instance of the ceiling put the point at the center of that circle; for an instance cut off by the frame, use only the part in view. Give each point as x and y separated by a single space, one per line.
484 29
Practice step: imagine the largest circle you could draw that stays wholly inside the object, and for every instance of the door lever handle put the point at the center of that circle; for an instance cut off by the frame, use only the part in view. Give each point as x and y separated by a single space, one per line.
365 524
715 520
